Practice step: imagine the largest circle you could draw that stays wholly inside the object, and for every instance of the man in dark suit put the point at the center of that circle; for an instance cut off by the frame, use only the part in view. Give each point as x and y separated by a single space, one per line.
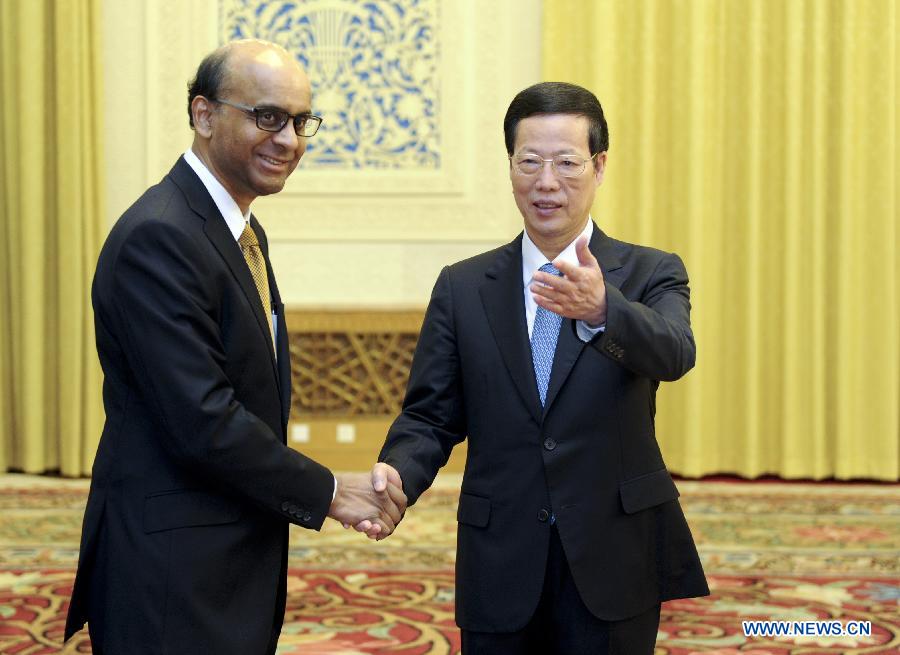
185 537
546 353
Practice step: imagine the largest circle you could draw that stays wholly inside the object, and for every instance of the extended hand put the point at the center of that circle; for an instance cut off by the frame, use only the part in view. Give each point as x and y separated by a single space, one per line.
580 295
384 478
358 503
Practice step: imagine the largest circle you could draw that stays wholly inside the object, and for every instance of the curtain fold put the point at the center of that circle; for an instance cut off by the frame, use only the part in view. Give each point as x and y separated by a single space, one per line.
759 141
52 225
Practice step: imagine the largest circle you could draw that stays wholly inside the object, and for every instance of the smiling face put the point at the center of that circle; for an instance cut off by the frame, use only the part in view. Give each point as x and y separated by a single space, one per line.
248 161
555 208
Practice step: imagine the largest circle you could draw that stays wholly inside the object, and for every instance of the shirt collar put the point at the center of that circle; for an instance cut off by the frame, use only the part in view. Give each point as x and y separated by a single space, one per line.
226 204
533 258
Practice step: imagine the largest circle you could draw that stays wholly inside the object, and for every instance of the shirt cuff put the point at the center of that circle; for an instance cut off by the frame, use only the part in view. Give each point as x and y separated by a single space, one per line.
586 332
334 493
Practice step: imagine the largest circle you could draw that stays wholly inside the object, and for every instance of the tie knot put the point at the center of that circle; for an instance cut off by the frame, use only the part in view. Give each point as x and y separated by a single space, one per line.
549 268
248 237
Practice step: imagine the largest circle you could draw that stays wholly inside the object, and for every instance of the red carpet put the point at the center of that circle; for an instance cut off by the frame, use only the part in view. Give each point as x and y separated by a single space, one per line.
791 552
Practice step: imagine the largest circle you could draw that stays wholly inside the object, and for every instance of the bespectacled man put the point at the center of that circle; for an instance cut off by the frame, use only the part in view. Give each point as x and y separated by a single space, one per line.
185 536
546 353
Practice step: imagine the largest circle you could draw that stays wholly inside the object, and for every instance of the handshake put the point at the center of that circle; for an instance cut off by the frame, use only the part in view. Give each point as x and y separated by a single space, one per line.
372 502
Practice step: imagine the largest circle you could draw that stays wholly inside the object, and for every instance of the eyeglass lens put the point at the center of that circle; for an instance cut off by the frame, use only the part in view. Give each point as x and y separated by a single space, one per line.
565 165
273 120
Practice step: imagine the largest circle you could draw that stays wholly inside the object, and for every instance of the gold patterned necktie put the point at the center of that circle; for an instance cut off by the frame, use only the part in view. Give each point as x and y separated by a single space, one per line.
257 265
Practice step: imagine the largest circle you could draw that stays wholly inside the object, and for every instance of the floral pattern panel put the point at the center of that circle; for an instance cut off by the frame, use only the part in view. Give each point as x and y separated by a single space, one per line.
374 71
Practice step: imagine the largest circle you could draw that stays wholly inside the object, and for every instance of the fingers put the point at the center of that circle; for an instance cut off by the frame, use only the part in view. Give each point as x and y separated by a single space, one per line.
372 503
550 306
383 533
389 508
398 497
551 295
374 529
580 294
385 478
394 477
384 522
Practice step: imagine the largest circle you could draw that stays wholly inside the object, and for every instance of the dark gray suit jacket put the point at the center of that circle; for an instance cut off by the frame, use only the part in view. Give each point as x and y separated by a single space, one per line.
589 456
185 536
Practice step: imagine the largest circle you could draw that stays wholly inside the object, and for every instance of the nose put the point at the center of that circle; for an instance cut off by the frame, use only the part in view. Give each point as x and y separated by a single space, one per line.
287 138
547 179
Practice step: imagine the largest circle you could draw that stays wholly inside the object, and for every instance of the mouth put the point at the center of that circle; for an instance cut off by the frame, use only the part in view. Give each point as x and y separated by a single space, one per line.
546 207
276 164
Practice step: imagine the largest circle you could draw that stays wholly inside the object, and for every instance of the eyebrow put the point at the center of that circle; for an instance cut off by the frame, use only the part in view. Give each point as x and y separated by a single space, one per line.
263 105
564 151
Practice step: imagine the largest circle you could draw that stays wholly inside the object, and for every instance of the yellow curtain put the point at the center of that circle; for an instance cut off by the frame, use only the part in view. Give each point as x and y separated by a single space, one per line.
759 141
52 225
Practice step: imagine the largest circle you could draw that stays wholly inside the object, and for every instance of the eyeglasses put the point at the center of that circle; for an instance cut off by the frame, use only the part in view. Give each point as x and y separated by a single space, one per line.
273 119
564 165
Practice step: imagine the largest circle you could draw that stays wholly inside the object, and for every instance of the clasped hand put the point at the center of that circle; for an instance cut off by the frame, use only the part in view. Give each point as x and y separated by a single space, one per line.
372 503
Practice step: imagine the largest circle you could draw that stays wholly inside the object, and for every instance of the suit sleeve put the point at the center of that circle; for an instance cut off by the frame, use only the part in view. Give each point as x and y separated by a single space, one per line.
168 303
432 420
651 336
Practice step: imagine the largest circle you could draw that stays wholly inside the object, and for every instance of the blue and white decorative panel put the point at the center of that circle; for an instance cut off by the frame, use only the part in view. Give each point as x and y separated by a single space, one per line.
373 65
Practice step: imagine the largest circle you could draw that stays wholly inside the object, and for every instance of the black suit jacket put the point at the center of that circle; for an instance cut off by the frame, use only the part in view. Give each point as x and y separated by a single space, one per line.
589 456
185 536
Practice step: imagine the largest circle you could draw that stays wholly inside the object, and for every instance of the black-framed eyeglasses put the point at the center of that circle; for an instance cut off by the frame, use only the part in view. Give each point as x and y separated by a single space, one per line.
529 163
273 119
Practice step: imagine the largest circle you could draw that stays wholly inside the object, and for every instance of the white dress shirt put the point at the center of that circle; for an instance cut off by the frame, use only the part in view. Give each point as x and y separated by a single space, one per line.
533 259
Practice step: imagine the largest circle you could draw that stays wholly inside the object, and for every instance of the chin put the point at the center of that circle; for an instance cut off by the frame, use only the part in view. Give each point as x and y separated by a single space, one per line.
269 187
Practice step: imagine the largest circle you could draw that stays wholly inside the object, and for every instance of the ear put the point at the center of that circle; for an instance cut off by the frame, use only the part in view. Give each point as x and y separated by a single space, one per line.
599 167
202 110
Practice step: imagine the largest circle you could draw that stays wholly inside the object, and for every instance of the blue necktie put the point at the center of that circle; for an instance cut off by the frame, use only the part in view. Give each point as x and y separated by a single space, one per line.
544 335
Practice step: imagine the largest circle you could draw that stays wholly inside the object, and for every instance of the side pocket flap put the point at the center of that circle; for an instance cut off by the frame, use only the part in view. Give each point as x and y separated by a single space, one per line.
473 510
647 490
185 509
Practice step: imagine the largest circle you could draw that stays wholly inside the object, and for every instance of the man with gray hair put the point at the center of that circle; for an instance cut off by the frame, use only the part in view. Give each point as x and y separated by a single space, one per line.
546 354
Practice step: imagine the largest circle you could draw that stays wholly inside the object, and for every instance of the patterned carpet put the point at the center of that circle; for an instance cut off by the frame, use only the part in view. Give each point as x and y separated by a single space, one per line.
796 552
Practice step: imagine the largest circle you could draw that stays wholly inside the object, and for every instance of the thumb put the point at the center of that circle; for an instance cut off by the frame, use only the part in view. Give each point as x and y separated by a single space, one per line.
393 476
379 477
585 256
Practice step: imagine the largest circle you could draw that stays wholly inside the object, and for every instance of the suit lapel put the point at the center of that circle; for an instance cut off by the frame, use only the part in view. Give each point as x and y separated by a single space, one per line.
569 345
284 364
283 341
501 296
218 233
604 249
568 348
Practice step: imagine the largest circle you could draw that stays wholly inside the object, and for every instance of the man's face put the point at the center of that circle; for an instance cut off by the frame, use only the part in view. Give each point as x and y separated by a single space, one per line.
555 208
248 161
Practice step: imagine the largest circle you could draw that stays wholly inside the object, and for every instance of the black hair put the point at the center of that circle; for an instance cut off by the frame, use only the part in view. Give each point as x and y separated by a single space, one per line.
209 79
557 98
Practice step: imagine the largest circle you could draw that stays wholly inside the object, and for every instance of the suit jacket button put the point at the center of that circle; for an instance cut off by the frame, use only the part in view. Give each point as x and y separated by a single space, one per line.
543 515
285 506
549 443
307 517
